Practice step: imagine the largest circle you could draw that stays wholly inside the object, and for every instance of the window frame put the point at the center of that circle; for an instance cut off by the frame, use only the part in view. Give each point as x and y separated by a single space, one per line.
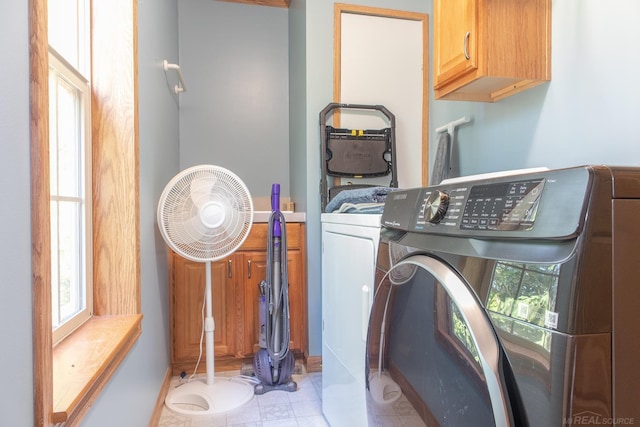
65 71
69 377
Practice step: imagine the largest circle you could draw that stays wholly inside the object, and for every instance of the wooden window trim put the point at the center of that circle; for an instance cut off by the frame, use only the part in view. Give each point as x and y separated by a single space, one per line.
117 305
84 362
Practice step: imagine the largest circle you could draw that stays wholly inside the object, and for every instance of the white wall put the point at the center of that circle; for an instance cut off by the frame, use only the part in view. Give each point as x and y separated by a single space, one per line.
16 397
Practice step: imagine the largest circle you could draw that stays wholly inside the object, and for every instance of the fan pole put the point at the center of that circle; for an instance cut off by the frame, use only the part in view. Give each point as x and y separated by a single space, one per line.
209 325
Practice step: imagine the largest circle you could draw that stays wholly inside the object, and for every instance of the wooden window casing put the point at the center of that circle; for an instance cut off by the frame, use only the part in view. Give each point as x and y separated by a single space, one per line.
69 377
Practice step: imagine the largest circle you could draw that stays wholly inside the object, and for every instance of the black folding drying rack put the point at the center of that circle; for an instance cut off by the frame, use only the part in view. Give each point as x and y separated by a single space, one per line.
355 153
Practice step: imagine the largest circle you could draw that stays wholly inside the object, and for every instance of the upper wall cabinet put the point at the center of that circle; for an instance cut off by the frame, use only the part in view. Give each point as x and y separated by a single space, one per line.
486 50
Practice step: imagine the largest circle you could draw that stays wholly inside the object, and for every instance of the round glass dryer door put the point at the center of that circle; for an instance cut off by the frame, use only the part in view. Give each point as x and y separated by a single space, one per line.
432 355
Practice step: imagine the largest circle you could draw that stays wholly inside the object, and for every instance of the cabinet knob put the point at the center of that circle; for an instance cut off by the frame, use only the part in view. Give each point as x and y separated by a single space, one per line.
249 269
465 45
229 269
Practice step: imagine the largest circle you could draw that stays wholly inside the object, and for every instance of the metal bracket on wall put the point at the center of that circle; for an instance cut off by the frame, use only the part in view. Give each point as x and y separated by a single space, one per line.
182 87
451 126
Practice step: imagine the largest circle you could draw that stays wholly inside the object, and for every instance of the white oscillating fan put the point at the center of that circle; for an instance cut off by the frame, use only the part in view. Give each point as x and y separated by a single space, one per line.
204 214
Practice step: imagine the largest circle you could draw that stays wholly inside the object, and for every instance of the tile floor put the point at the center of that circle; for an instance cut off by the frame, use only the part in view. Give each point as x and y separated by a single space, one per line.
302 408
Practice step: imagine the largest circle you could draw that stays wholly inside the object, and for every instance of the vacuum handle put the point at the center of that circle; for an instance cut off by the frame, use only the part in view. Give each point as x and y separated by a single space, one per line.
275 214
275 197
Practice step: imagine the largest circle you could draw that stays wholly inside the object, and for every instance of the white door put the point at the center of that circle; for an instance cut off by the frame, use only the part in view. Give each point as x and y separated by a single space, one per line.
382 61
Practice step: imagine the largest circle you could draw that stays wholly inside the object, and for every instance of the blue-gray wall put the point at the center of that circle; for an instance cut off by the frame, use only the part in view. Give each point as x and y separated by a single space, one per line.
586 114
236 112
130 396
297 103
16 399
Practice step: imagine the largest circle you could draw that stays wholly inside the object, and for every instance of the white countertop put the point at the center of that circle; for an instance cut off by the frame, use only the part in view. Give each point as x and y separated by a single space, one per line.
263 216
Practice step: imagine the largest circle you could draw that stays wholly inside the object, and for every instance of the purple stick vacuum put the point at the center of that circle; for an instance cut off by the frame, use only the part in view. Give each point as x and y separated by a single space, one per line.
274 364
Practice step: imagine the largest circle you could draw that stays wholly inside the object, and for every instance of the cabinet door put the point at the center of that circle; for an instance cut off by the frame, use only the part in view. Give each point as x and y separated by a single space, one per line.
255 264
188 286
255 271
455 39
225 278
297 302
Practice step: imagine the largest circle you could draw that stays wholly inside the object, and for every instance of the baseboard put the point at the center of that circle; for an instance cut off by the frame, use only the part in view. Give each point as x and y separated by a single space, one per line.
225 363
157 410
314 363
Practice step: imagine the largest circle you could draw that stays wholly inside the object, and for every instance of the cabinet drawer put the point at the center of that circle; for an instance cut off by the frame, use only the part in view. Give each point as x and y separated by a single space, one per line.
257 239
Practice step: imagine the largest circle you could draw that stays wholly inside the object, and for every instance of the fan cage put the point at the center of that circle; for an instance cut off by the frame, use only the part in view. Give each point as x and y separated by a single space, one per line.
178 213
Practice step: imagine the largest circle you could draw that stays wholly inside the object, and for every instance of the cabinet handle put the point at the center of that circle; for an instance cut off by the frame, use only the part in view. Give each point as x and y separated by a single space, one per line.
229 269
249 269
465 45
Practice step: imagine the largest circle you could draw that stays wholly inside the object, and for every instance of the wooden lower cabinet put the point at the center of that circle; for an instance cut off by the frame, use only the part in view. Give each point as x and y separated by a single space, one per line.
187 289
235 292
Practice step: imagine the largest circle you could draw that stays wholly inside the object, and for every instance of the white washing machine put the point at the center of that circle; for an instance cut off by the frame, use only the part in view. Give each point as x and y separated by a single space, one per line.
349 248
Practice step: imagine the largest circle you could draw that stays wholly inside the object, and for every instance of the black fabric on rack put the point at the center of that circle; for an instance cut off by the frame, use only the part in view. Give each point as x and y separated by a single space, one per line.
442 161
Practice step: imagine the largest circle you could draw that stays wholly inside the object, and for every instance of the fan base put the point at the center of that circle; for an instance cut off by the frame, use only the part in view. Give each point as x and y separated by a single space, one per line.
199 398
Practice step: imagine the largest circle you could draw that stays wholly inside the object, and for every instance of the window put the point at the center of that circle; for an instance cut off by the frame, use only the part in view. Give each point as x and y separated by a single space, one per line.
69 166
69 28
69 376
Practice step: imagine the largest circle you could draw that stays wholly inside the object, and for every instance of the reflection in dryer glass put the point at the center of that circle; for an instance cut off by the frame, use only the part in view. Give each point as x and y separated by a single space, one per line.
461 332
422 361
526 292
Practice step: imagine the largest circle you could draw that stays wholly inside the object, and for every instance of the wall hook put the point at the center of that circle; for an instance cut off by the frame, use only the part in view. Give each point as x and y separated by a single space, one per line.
182 87
451 126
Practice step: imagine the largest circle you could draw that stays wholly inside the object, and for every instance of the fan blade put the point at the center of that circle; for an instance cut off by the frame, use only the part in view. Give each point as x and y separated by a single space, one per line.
187 231
201 188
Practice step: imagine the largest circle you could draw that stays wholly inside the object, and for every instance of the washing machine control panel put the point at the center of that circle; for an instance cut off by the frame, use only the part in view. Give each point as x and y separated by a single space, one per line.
547 204
488 206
